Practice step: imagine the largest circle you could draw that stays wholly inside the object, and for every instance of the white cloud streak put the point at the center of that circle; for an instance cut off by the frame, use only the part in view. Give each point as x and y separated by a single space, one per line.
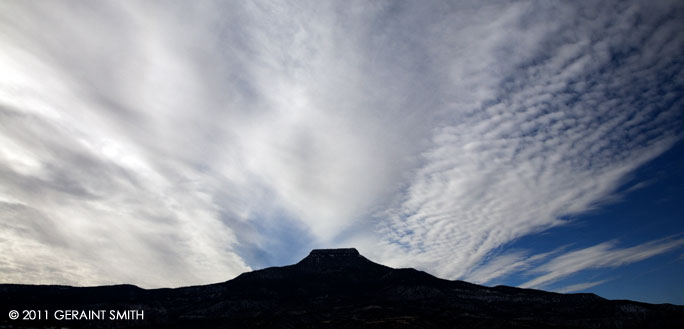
580 286
565 114
604 255
503 265
172 141
162 143
548 268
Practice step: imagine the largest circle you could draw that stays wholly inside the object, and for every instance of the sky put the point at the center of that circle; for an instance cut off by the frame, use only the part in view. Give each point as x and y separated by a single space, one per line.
535 144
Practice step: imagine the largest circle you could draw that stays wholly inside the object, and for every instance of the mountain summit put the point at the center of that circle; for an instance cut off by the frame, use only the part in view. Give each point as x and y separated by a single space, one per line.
335 252
338 260
337 288
323 258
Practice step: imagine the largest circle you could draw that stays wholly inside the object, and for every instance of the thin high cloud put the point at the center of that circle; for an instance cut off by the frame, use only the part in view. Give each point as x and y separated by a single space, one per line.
135 145
545 269
581 286
604 255
507 264
194 139
562 122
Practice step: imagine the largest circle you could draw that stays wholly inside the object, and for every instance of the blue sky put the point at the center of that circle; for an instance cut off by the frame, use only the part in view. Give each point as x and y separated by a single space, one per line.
170 143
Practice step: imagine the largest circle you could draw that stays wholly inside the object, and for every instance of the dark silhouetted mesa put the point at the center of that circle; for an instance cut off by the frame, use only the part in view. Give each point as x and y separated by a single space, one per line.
336 288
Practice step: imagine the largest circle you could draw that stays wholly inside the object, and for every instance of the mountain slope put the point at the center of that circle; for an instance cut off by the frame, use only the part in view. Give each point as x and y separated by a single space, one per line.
337 288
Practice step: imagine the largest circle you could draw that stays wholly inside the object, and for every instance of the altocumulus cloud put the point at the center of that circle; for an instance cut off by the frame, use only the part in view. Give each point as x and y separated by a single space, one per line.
160 143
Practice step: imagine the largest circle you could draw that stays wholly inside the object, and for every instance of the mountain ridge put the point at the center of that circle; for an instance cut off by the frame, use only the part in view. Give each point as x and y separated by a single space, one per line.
338 288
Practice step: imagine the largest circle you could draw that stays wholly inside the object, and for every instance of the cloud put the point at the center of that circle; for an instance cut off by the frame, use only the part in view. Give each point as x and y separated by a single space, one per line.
550 267
209 130
580 286
564 113
506 264
186 142
604 255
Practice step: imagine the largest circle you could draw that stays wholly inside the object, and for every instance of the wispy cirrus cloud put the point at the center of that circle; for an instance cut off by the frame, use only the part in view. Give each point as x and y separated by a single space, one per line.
560 123
581 286
507 264
209 135
545 269
191 139
604 255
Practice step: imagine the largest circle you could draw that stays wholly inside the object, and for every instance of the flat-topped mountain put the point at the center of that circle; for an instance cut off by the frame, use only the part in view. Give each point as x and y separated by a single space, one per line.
335 288
338 260
332 252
